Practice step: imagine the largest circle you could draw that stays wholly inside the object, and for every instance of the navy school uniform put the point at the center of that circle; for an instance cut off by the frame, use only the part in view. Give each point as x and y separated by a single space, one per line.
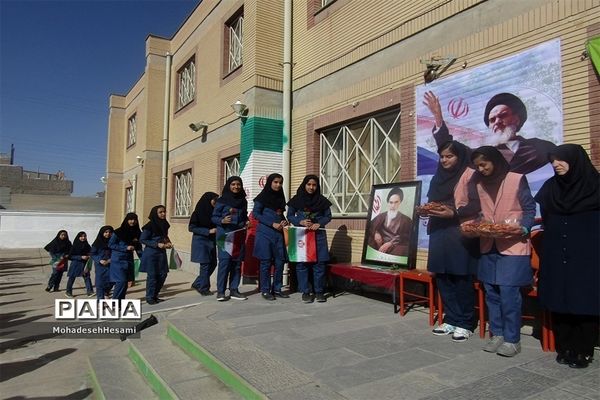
302 269
56 276
154 262
76 269
229 267
121 260
102 271
269 246
204 252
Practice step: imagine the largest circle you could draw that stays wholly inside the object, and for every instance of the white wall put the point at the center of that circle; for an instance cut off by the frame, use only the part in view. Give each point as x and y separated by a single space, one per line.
27 229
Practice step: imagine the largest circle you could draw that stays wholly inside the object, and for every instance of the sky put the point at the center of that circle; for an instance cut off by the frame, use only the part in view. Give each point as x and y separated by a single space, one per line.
59 63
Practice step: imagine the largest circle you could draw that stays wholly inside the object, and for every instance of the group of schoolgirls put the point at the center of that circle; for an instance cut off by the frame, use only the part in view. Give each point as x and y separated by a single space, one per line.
478 184
112 253
216 216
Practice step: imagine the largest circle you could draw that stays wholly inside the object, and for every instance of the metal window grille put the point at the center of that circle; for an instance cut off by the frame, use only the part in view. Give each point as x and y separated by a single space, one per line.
236 43
356 156
231 166
129 200
131 130
187 83
183 194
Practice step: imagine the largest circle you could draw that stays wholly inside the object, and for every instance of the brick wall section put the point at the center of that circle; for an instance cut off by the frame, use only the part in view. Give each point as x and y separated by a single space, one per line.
594 102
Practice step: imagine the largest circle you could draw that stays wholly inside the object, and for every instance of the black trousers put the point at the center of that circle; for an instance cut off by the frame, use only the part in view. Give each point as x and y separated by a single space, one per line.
575 333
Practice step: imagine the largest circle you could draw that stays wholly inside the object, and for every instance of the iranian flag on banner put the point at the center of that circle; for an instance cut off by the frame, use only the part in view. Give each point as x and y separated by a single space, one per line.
232 242
301 244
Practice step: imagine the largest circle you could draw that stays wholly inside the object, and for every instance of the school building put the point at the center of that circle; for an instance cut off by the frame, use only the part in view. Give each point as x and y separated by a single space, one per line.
350 110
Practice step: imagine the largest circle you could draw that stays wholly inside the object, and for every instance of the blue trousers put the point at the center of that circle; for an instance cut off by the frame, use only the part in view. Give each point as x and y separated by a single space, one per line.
154 283
102 282
202 282
55 278
265 276
229 270
458 296
86 279
504 311
120 290
303 273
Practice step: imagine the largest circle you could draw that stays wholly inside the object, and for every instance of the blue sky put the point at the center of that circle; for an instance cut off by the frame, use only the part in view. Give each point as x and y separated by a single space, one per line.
59 62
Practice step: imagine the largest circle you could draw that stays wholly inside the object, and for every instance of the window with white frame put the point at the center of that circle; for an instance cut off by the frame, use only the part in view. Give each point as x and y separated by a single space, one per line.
236 42
131 130
186 81
183 193
326 2
355 156
129 200
231 166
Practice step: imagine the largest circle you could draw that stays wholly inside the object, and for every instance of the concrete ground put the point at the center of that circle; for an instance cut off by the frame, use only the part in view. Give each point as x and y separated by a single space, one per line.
352 347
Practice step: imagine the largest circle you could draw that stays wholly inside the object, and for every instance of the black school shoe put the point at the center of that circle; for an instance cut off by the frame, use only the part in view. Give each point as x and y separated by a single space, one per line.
564 357
321 298
151 302
307 298
268 296
580 361
281 294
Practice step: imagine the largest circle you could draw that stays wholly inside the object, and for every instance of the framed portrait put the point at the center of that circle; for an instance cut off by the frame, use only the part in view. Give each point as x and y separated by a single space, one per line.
392 225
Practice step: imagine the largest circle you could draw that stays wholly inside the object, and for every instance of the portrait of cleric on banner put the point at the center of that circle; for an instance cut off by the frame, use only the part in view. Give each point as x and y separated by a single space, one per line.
513 103
391 232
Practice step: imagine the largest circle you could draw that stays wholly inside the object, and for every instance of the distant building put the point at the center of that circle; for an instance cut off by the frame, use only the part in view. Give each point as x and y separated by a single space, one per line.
21 181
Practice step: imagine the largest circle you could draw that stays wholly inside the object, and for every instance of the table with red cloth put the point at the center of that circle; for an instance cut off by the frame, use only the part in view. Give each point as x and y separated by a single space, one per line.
377 277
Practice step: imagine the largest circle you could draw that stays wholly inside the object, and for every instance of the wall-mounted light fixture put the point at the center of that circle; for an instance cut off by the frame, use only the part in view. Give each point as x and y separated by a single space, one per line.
139 160
103 180
198 126
240 109
436 67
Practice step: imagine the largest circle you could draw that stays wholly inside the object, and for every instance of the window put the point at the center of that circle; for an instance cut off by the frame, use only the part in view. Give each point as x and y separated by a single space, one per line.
356 156
186 83
183 193
234 30
231 166
326 2
129 200
131 130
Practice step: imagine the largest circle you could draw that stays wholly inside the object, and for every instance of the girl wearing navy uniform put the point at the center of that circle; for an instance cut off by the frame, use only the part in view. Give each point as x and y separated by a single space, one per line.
504 266
310 209
58 249
569 264
204 241
155 238
230 214
79 255
269 246
452 256
100 253
123 242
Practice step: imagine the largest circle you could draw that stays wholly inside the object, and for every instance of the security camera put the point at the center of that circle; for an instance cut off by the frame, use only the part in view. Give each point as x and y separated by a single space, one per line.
198 126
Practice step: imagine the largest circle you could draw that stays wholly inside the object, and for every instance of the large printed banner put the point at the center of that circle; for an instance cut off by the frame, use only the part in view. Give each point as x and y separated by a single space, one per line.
474 104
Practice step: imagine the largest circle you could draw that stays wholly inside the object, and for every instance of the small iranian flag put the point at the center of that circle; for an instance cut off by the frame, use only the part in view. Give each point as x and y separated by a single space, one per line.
175 260
301 244
232 242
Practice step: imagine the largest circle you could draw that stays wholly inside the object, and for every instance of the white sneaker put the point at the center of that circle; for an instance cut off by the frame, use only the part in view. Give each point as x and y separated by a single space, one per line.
509 349
444 329
461 334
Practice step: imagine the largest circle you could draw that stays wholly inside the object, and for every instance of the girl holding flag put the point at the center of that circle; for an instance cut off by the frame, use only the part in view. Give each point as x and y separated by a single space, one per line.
122 244
155 238
269 246
311 210
101 255
231 218
58 249
204 241
79 255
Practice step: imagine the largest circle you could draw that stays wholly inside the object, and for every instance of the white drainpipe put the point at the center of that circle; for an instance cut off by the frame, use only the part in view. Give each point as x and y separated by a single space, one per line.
165 140
287 95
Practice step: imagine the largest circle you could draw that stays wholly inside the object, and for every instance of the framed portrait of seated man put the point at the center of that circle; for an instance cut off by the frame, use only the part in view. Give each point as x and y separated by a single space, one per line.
391 233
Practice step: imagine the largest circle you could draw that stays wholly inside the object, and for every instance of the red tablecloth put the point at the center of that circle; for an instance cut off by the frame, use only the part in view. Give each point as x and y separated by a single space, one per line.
382 278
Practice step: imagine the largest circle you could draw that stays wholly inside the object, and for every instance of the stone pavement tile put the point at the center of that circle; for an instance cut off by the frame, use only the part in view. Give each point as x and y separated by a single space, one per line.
513 383
470 367
204 388
261 369
313 363
586 384
379 347
547 366
342 378
307 392
202 330
255 318
556 393
409 386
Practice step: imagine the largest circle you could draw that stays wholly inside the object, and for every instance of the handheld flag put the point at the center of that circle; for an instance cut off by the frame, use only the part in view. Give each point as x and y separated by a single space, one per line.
232 242
175 260
301 244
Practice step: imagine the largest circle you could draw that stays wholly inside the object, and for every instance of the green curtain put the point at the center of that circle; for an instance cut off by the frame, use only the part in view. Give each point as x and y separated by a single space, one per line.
593 49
